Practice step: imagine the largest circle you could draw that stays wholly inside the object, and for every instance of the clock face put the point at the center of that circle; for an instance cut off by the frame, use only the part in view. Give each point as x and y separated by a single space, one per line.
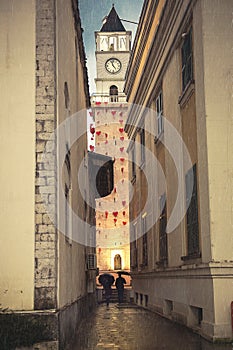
113 65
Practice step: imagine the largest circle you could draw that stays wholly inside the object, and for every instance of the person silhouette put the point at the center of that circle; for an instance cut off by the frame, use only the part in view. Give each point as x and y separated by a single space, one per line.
108 292
120 281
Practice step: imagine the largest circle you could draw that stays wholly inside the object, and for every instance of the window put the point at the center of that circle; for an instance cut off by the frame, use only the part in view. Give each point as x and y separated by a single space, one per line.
142 142
159 113
104 43
112 43
113 92
66 96
192 213
187 59
144 243
162 229
85 206
133 162
68 218
134 251
122 42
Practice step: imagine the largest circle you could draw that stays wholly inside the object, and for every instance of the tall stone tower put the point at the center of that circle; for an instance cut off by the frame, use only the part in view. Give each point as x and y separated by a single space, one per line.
109 109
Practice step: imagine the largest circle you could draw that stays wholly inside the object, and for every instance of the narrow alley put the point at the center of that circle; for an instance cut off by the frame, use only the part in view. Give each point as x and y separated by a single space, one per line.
129 327
116 178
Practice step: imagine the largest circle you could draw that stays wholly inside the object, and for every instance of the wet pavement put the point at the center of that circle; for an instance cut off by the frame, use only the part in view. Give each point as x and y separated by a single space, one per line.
135 328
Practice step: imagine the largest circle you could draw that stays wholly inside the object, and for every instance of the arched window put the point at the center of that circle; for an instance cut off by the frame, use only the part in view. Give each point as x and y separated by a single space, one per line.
117 262
113 93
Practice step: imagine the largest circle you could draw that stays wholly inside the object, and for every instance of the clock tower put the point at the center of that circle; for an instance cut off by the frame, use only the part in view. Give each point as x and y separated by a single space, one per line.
113 45
109 110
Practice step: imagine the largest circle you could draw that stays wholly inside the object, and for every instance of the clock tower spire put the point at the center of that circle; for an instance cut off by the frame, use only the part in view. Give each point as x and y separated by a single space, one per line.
113 45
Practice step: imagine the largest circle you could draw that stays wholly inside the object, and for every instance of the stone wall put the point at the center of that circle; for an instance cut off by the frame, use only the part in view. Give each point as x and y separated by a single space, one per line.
45 185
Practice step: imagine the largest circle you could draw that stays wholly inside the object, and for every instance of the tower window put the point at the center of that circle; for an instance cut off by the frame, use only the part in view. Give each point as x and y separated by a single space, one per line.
112 43
113 93
122 43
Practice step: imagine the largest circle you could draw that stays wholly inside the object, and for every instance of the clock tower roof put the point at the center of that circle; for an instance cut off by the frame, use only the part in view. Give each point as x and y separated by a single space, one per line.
113 23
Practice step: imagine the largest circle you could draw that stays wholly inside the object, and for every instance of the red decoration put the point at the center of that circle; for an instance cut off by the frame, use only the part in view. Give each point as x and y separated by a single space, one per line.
115 220
92 129
121 121
115 190
113 113
122 159
115 213
122 149
106 142
91 114
122 170
124 222
98 103
123 203
99 250
121 129
92 148
122 138
106 214
123 212
105 103
106 135
98 133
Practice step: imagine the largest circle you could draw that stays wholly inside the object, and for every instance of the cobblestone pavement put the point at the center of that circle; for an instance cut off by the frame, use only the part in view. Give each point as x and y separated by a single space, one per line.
136 329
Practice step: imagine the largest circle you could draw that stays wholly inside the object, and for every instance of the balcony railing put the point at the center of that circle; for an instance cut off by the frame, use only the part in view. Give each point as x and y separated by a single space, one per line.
101 97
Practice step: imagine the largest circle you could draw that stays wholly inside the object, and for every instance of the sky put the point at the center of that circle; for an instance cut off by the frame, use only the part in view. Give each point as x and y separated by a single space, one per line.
92 12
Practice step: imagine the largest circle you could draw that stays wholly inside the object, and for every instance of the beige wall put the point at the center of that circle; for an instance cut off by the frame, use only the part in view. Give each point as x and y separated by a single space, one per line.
71 255
218 69
17 145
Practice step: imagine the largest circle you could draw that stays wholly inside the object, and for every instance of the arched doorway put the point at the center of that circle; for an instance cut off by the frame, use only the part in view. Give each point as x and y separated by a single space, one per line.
113 93
117 262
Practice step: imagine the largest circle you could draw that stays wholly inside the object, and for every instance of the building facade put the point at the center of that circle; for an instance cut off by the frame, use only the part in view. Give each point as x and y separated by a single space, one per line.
109 109
44 79
179 89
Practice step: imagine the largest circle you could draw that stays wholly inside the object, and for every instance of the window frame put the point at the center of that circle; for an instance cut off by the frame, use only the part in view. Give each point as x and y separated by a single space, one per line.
133 161
142 146
159 113
144 242
187 59
192 217
163 249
